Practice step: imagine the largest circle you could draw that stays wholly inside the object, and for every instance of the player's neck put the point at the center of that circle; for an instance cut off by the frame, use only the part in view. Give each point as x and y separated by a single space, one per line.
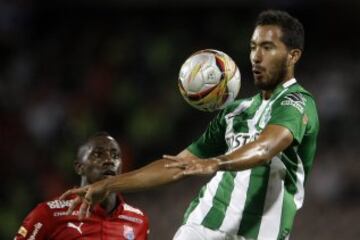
266 94
110 203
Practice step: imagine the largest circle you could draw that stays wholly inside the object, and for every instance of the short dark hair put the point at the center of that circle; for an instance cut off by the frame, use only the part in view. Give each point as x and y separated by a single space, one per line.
292 28
84 147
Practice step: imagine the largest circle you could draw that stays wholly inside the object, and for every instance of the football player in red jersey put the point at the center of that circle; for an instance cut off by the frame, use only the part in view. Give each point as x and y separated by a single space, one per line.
97 159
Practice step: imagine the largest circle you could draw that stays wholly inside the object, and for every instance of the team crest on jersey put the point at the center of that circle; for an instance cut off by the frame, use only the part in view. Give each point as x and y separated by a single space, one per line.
128 233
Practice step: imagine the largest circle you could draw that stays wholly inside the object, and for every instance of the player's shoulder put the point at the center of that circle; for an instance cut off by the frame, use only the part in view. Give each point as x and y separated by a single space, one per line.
296 94
46 209
53 205
131 209
58 204
298 97
299 91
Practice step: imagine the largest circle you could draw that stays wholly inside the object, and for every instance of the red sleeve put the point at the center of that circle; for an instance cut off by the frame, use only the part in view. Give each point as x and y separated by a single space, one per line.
36 225
144 229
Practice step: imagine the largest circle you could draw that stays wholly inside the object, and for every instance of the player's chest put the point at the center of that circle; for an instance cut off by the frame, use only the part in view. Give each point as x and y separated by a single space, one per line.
246 126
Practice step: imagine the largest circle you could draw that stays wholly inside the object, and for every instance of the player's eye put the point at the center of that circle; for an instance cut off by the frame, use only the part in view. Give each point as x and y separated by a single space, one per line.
268 47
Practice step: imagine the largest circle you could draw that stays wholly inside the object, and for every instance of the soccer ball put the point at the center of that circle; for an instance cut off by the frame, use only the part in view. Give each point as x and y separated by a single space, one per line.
209 80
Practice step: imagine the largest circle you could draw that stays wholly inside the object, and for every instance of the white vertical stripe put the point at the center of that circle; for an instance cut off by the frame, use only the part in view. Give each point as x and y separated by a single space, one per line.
271 219
300 178
206 202
252 122
236 206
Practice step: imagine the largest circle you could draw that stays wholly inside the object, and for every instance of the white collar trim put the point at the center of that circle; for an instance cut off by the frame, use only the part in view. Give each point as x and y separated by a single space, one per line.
289 83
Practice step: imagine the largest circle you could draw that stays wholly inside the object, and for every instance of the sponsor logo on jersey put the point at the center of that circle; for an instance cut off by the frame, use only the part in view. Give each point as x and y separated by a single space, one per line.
240 139
23 231
64 213
132 209
37 228
128 233
131 219
76 227
296 100
59 203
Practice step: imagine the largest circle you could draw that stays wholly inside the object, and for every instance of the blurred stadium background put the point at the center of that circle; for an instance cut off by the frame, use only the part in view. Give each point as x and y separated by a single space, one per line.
71 68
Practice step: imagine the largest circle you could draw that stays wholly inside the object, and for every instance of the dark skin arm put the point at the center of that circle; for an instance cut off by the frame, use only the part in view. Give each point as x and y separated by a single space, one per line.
270 142
149 176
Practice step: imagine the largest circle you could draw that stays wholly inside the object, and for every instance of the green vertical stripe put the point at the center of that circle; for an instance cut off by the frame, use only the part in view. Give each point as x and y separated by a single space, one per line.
287 215
254 203
193 204
221 200
289 207
289 158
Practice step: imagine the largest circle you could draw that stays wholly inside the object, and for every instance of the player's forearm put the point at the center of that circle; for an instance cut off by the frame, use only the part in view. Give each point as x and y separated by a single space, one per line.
249 156
270 142
152 175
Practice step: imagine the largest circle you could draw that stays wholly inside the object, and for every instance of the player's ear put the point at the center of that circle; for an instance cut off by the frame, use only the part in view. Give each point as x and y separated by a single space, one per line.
294 56
79 168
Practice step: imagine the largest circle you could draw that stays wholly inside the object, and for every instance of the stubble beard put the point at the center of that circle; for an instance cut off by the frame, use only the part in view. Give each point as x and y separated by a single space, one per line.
277 78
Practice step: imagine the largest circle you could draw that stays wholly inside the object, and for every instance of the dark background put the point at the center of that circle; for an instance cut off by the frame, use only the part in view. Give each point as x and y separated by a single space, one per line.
71 68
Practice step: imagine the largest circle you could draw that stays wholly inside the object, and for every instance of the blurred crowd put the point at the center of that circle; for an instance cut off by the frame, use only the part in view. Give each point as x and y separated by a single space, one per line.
68 71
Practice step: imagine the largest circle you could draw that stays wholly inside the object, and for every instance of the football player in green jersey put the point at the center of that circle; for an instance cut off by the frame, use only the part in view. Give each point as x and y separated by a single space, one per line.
260 149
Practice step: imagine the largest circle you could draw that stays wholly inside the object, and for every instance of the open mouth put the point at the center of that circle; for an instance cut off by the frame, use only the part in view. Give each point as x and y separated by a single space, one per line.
257 72
109 173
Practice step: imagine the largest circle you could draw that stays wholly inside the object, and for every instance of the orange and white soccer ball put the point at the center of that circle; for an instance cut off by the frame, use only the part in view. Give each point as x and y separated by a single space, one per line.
209 80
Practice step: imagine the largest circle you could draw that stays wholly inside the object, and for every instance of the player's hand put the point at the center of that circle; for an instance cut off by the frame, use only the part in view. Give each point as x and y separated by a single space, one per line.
193 166
87 197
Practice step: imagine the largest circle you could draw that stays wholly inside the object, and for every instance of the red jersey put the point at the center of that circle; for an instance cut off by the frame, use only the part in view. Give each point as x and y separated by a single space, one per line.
49 221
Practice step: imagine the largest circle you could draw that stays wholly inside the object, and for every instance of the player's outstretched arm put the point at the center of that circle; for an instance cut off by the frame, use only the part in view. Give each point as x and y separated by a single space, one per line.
270 142
151 175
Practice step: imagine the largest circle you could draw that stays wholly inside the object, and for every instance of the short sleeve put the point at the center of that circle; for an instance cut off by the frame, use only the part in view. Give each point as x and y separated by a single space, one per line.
290 112
212 142
35 225
145 229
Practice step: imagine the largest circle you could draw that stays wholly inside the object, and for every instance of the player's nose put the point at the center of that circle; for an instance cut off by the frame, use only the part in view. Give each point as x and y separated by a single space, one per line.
256 56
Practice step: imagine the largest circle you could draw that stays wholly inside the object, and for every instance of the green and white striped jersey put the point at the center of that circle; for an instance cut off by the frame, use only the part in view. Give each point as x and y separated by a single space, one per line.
259 203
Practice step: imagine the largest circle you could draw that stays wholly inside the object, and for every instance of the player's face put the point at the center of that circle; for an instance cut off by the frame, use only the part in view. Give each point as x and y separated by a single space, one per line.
268 57
103 159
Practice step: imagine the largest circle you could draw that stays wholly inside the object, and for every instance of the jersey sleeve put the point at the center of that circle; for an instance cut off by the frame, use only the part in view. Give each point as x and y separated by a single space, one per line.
144 228
36 225
212 142
290 112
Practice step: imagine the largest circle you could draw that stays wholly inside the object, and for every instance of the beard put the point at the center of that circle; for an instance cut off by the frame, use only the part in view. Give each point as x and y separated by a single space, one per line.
275 77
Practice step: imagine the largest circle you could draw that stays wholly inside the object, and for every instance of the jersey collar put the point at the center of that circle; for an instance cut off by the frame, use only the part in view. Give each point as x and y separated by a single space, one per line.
98 210
289 83
281 87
